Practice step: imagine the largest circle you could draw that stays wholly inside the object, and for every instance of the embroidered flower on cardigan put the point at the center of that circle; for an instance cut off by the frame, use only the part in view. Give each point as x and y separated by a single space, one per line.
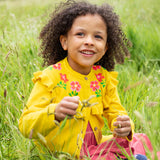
75 87
62 84
101 79
63 77
95 87
57 66
96 67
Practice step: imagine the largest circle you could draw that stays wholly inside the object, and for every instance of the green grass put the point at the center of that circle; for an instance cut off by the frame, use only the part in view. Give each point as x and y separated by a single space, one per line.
20 23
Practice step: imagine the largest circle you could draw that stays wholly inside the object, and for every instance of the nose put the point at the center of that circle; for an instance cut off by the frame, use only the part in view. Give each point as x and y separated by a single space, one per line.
89 41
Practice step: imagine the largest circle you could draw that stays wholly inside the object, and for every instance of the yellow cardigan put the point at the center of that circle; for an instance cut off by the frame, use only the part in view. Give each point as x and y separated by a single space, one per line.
58 81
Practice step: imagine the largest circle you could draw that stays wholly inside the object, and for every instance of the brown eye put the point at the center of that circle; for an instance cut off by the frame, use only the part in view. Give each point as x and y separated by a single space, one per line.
80 34
98 37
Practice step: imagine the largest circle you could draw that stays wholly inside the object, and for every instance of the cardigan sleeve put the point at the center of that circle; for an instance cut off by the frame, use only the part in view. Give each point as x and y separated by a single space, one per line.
112 104
38 115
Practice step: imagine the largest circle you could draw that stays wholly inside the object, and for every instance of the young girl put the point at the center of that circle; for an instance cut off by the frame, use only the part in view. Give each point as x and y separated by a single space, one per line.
72 97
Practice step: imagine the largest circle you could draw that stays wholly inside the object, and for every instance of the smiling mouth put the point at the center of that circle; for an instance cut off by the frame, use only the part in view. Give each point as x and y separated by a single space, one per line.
88 52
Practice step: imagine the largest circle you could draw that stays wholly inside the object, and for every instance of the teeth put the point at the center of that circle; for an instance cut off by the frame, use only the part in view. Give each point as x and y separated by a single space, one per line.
86 52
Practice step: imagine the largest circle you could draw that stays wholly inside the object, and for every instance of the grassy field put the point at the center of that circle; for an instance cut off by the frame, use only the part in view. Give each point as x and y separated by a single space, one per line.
139 76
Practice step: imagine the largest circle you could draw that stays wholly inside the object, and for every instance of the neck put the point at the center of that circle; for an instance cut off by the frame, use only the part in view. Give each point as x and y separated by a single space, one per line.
84 71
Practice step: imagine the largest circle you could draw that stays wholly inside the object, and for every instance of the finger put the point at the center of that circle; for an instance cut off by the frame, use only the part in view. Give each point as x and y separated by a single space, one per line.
122 130
74 99
67 111
60 116
117 124
122 124
123 118
69 105
122 134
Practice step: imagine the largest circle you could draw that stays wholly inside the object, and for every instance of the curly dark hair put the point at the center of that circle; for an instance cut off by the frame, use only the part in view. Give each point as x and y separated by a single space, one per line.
61 22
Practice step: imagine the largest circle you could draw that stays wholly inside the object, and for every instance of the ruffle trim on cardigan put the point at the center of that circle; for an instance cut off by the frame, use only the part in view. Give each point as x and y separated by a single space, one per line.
45 78
111 86
112 78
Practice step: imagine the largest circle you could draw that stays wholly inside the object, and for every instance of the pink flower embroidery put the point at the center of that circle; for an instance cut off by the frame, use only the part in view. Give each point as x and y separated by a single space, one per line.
75 86
96 67
99 77
57 66
63 77
94 85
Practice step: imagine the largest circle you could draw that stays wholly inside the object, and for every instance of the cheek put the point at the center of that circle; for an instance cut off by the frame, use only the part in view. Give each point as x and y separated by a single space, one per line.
104 49
102 46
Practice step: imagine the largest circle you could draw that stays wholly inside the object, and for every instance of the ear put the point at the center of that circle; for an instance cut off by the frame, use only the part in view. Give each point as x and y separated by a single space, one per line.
63 41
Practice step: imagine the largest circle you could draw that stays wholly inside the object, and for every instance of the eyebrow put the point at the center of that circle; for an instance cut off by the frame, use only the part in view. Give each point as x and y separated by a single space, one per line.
99 32
82 29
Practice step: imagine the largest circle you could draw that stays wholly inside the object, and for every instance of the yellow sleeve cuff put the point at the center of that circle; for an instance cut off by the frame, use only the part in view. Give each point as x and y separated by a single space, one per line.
51 109
130 136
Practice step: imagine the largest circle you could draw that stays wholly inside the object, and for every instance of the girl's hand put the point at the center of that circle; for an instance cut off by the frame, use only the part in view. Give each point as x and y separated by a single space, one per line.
67 106
123 125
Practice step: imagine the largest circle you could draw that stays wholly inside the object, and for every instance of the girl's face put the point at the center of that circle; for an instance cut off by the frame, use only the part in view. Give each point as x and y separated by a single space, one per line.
85 42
